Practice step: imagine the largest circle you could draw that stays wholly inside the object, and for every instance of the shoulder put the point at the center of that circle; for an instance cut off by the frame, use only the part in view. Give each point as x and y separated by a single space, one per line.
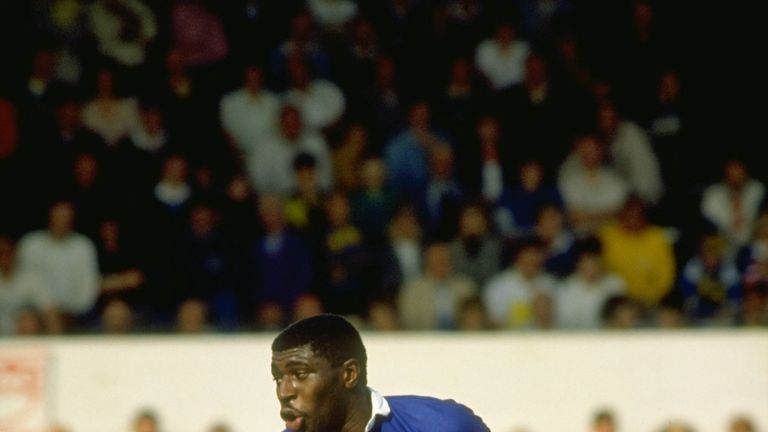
422 413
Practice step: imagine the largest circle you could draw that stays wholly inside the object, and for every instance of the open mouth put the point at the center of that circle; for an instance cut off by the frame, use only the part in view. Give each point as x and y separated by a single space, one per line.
293 420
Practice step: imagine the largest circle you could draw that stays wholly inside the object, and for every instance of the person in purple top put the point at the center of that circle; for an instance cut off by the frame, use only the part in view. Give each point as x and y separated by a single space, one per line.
320 373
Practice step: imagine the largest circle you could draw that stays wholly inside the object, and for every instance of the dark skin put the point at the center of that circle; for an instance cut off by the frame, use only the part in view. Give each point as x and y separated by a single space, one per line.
316 396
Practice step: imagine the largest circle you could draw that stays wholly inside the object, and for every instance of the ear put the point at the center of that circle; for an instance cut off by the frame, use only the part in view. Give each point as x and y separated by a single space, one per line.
350 373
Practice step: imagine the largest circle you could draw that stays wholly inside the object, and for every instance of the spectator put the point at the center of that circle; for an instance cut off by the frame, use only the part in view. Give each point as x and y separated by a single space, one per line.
604 421
512 296
520 205
91 194
304 210
332 15
710 283
108 115
592 192
117 318
146 421
270 167
475 251
373 203
407 154
385 110
741 423
461 101
301 43
306 306
642 254
732 205
492 175
631 154
557 239
192 317
65 259
401 257
473 316
501 59
432 301
21 290
122 275
619 313
581 296
320 101
348 157
249 115
280 263
382 316
443 196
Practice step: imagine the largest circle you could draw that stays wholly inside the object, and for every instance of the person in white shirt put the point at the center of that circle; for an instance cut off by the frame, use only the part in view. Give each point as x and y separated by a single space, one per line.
502 59
111 117
332 15
581 296
270 167
320 101
592 192
249 114
520 296
22 290
65 259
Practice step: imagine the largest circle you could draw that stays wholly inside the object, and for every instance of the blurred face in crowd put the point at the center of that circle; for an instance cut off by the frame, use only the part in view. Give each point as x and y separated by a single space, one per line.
382 316
271 213
68 117
590 152
437 262
105 84
109 234
488 129
311 390
175 62
7 255
290 123
307 306
86 170
203 221
175 170
604 423
590 266
506 34
405 225
337 209
531 175
385 74
549 223
669 87
301 27
145 423
441 162
373 174
461 72
254 79
28 323
306 179
535 70
44 65
61 219
741 424
117 318
152 120
473 222
607 119
735 174
632 216
420 117
530 261
192 317
299 72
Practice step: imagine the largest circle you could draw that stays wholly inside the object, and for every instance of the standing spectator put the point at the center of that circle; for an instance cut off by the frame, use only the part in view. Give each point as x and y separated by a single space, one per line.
631 154
65 259
501 59
710 283
514 296
320 101
20 290
640 253
270 167
476 252
592 192
581 296
732 205
249 114
432 301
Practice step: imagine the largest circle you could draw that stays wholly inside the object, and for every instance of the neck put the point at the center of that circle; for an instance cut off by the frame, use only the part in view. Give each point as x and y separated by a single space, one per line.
359 413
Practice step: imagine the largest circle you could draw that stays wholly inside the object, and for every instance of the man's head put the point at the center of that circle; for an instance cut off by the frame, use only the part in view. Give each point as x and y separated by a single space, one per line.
319 367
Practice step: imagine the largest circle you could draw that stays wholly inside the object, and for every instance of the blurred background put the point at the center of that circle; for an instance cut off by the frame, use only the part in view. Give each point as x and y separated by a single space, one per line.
504 169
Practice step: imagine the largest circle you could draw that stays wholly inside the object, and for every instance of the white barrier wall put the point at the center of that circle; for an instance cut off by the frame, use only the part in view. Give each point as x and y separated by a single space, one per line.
542 382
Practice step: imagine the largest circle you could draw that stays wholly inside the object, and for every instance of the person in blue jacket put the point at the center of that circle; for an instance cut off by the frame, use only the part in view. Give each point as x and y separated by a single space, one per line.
319 368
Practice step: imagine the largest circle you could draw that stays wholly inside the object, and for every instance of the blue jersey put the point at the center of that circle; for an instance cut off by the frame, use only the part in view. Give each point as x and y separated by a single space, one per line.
427 414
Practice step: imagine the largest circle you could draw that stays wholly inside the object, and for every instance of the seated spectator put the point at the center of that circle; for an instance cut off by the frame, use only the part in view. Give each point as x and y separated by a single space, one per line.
475 252
741 423
345 290
604 420
401 257
670 314
304 210
432 300
65 259
192 317
270 167
461 101
382 316
22 291
280 265
122 275
108 115
757 249
348 156
501 59
641 253
443 195
91 193
631 154
592 192
123 29
249 115
301 43
519 205
306 306
472 315
149 137
581 296
557 239
407 154
28 323
512 297
384 109
320 101
373 203
710 283
491 178
733 204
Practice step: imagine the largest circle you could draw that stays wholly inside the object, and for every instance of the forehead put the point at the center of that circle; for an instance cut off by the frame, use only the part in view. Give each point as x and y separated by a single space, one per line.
301 354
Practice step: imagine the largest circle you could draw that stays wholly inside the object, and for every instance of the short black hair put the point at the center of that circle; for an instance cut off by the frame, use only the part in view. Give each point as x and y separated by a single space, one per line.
330 336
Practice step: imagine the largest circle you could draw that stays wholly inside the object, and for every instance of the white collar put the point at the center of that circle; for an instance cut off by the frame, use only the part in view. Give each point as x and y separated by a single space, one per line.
379 407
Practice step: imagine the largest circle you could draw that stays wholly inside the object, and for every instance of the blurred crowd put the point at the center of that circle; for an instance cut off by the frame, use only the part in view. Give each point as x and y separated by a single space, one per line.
202 166
602 420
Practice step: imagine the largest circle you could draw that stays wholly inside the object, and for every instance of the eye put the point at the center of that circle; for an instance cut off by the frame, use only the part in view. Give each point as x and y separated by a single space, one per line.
301 375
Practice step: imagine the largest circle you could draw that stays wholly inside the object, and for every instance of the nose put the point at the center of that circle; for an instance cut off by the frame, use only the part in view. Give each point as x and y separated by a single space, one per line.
285 389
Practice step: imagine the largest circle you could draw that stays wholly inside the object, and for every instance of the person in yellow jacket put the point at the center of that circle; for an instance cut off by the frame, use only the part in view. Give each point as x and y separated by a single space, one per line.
641 253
